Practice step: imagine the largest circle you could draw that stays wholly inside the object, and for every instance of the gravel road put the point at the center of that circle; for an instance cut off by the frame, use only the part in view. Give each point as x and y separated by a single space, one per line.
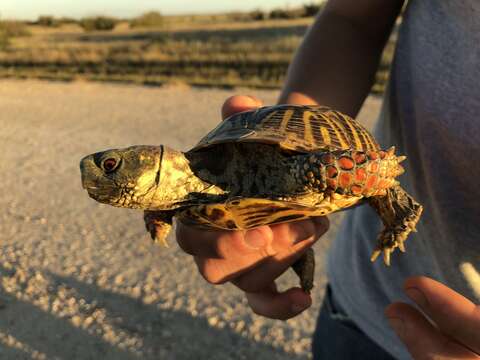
81 280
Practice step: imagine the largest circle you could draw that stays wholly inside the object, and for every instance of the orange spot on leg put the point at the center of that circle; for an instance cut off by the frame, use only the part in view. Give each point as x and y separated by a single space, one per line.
372 167
332 171
360 158
345 179
346 163
356 189
360 175
371 182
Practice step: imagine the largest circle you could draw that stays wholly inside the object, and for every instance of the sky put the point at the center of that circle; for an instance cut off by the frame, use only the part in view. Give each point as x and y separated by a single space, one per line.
31 9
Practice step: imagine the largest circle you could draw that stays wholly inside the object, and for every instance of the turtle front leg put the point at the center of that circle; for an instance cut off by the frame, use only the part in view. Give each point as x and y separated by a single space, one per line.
399 213
158 224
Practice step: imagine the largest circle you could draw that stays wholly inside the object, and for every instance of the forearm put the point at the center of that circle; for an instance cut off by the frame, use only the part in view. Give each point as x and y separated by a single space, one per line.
336 63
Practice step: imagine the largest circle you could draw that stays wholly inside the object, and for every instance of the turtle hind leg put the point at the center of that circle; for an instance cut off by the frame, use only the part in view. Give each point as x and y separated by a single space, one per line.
305 269
158 224
399 213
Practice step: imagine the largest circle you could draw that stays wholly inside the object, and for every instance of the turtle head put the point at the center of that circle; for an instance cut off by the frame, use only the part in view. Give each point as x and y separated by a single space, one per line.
123 177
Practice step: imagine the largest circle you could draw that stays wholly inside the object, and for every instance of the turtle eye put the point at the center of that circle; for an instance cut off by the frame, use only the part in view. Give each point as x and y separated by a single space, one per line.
109 164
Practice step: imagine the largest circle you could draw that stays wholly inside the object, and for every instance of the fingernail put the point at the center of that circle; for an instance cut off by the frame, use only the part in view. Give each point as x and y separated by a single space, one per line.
255 239
397 325
417 296
299 306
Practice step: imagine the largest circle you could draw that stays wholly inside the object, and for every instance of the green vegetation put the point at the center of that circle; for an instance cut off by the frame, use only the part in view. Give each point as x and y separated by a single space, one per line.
99 23
151 19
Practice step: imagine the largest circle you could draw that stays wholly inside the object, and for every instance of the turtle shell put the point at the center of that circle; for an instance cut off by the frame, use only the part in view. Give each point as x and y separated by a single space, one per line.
301 128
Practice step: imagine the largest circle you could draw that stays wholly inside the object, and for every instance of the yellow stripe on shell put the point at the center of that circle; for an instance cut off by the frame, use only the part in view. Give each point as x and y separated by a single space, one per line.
338 134
308 126
358 142
325 135
286 118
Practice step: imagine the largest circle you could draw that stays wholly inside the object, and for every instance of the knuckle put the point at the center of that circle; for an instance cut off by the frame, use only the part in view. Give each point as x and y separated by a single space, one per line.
225 245
248 284
210 271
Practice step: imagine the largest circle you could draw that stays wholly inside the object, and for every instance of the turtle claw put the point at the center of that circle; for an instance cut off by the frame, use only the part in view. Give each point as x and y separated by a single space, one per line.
386 256
400 213
162 241
375 254
158 225
388 241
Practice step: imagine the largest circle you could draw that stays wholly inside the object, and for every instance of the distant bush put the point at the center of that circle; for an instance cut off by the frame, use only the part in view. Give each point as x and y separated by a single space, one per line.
99 23
149 19
67 20
48 21
286 14
238 16
257 15
312 9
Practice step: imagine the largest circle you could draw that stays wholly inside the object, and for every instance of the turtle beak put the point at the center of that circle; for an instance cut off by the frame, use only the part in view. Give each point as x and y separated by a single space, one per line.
87 169
98 186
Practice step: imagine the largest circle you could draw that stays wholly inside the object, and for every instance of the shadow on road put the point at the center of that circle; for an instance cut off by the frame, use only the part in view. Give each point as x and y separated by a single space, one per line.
156 333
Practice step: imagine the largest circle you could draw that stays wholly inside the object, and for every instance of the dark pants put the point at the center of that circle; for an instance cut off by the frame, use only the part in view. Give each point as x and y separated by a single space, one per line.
338 338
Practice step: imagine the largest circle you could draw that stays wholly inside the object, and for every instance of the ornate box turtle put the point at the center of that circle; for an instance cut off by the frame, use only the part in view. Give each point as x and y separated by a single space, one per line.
271 165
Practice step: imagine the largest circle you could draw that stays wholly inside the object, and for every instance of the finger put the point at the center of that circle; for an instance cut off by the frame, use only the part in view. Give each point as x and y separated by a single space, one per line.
422 339
232 254
454 314
239 103
279 305
243 252
291 241
236 253
199 242
224 244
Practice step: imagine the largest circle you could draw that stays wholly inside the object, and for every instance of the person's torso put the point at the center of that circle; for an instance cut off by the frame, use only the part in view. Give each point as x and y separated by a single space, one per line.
430 114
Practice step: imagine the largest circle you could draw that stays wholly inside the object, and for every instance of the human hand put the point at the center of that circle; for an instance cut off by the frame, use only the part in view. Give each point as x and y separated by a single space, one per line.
455 331
253 259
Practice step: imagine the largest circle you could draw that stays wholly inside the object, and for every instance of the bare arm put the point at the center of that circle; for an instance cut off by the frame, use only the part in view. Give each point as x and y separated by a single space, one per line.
337 61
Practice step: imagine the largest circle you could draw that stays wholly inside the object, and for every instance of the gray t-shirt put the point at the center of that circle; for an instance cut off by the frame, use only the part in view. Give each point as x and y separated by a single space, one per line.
431 113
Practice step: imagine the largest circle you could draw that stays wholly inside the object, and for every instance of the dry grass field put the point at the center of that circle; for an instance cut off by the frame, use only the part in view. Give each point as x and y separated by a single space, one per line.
199 50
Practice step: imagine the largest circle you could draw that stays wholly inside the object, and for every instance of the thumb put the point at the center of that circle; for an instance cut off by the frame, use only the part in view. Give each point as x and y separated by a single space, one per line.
239 103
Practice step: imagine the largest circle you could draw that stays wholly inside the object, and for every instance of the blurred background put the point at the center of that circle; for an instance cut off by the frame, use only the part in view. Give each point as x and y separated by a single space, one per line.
208 43
81 280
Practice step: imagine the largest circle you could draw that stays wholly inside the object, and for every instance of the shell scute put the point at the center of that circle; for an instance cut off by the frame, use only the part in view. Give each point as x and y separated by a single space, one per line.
299 128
